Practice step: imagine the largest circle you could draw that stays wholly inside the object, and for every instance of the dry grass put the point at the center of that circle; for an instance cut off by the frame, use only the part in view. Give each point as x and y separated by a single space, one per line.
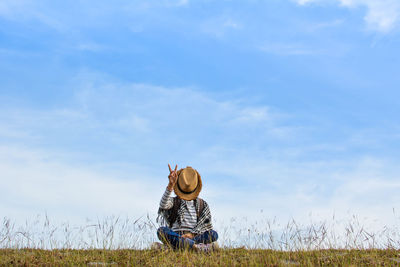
116 241
224 257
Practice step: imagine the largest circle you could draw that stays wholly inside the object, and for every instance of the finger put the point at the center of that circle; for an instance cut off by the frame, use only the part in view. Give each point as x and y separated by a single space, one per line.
169 166
176 167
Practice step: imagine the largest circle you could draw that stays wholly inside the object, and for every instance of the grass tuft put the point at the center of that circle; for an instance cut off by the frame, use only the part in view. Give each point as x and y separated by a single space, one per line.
114 241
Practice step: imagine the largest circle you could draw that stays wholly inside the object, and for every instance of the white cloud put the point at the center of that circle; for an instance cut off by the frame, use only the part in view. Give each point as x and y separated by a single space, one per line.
220 26
92 47
327 24
49 158
28 11
35 181
382 15
181 2
145 121
303 2
81 15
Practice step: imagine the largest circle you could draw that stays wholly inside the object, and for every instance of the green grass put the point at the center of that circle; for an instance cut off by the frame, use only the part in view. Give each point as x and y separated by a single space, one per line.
121 242
224 257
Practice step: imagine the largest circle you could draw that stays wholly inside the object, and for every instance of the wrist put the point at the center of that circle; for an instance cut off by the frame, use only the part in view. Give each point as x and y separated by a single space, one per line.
170 187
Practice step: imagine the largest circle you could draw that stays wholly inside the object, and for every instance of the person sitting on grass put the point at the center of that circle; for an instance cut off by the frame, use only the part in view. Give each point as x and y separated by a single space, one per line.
186 217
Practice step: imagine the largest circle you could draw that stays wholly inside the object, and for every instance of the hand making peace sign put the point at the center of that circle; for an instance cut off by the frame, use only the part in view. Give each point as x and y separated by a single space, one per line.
173 177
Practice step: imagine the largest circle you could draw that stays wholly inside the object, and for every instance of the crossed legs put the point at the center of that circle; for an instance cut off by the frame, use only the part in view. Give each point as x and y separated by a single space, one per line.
167 236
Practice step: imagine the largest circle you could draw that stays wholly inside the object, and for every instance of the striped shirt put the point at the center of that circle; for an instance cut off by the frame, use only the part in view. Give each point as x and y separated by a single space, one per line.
189 218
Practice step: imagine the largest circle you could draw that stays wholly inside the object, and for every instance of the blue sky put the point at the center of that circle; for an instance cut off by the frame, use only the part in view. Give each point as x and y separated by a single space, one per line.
289 107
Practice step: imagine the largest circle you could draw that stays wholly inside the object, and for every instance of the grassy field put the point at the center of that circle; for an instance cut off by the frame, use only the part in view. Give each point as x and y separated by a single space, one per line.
223 257
115 241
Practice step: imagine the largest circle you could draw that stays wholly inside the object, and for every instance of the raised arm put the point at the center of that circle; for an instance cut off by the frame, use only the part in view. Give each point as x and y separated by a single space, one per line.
166 200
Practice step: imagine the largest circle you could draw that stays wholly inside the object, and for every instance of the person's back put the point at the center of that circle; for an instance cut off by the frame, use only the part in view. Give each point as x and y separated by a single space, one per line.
186 218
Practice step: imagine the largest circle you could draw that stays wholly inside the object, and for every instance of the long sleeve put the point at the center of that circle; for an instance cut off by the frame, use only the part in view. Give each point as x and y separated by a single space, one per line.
166 201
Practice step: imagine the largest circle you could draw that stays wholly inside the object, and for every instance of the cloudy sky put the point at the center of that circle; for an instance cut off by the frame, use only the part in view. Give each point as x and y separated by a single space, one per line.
286 108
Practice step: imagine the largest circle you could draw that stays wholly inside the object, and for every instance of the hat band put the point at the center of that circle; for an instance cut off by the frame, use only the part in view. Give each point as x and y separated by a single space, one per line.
185 192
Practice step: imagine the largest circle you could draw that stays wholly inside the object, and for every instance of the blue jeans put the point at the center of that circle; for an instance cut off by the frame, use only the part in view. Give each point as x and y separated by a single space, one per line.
167 236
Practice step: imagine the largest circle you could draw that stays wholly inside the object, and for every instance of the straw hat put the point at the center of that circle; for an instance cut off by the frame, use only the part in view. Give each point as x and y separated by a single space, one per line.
188 185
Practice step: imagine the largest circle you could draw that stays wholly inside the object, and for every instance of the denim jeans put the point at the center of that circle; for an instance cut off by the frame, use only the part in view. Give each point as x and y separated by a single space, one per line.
167 236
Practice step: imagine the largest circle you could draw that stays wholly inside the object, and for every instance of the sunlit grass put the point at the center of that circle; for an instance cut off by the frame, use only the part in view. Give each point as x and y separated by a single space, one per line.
238 256
116 241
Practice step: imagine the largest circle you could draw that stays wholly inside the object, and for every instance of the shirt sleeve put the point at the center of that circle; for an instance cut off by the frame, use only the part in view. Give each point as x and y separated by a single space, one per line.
166 201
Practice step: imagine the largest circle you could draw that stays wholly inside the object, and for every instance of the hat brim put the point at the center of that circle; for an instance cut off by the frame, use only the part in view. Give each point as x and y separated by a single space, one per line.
188 196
